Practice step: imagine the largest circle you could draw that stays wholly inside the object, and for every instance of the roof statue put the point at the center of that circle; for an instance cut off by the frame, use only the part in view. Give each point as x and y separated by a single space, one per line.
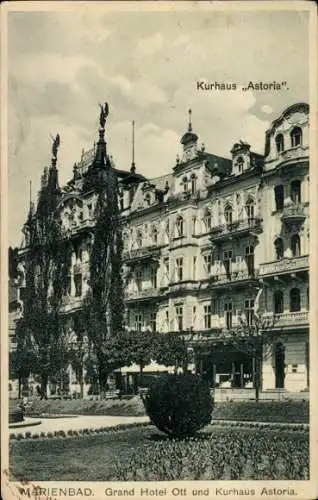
55 145
104 111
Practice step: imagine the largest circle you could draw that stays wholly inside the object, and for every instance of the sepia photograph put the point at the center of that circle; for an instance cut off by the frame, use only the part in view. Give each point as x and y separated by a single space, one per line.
158 228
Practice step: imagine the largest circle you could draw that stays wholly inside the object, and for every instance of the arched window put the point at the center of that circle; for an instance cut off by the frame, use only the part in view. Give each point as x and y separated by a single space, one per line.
295 245
147 199
139 239
193 183
296 191
180 226
154 235
250 208
279 139
185 184
279 197
279 248
278 302
228 214
296 137
240 163
207 220
294 300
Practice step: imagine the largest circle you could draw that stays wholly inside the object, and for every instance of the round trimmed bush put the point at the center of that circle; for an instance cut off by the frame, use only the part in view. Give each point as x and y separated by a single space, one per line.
179 404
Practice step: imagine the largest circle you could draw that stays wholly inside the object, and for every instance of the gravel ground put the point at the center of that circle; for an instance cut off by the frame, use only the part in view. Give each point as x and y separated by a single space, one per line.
75 423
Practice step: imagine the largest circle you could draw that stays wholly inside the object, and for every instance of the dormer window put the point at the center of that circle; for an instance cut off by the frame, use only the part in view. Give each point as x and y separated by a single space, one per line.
240 163
296 137
185 184
279 139
147 199
193 183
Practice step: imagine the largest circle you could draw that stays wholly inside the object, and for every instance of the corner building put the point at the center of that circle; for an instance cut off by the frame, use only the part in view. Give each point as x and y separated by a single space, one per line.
219 240
213 242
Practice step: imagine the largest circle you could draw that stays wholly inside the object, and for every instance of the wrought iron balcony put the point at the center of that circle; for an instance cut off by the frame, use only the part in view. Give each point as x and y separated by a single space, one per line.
140 295
151 253
236 228
284 266
233 278
186 285
293 214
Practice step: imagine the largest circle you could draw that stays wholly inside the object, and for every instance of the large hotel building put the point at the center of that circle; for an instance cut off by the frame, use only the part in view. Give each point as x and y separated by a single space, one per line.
208 246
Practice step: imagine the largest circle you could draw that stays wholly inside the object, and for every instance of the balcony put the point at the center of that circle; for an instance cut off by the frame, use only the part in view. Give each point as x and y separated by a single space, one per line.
184 286
141 295
293 214
289 319
80 226
284 266
151 253
234 279
289 155
70 303
236 229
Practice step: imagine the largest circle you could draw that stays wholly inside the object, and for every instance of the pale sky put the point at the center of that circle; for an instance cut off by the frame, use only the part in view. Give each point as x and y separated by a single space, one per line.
146 65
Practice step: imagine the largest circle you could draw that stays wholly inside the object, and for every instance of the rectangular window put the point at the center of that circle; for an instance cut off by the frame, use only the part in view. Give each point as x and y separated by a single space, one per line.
139 280
179 314
153 324
207 316
215 306
227 262
228 310
138 322
194 267
249 311
153 277
208 263
179 264
294 368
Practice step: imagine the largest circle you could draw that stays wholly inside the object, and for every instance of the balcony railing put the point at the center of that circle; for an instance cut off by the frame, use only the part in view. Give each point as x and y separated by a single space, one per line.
294 153
143 253
293 213
288 319
285 265
240 226
147 293
74 228
233 277
189 285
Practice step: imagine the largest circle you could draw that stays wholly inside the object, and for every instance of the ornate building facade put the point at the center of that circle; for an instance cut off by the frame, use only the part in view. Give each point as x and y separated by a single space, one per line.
209 247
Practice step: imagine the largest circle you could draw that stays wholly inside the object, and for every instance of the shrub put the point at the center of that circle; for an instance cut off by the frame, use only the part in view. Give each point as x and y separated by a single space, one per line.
28 434
42 435
179 404
12 435
49 434
20 436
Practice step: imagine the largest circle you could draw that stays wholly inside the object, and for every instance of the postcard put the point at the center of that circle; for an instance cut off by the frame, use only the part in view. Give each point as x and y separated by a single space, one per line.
158 243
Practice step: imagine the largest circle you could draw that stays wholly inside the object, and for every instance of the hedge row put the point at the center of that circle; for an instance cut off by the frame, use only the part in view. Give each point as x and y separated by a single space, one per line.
75 433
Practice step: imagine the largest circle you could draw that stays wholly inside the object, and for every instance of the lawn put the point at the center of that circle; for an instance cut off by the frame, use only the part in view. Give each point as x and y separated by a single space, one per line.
145 454
264 411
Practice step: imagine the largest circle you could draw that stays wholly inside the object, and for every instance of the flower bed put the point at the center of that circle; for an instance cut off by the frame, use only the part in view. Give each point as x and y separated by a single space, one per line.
221 455
142 453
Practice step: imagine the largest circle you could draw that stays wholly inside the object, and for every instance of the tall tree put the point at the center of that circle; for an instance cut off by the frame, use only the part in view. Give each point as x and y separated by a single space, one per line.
45 268
103 308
